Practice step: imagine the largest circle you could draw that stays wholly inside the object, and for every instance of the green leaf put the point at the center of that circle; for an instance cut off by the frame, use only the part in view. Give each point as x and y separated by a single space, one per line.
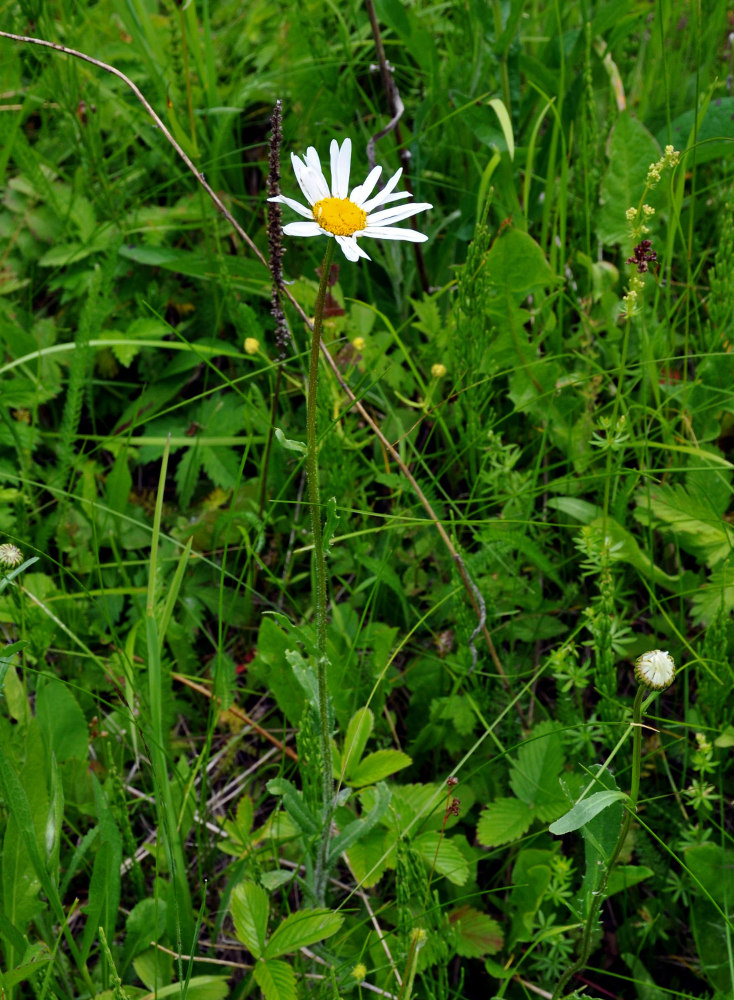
371 856
697 525
713 869
623 877
272 670
517 266
277 980
61 720
146 922
104 885
584 811
289 445
534 776
477 934
631 149
295 806
358 732
378 766
250 908
356 830
503 821
449 861
530 879
715 132
302 929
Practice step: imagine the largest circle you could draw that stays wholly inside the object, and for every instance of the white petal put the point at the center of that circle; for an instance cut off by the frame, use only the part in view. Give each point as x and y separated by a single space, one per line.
302 229
352 250
380 198
397 213
305 212
390 233
340 183
363 191
310 177
334 160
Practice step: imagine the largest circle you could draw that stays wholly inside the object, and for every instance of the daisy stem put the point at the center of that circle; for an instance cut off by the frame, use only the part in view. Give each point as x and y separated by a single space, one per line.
593 916
319 570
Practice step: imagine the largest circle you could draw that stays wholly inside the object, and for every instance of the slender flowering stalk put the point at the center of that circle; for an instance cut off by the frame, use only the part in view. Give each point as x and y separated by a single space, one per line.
334 212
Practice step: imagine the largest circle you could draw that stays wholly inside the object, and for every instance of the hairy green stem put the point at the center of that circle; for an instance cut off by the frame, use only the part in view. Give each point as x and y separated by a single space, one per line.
319 572
593 915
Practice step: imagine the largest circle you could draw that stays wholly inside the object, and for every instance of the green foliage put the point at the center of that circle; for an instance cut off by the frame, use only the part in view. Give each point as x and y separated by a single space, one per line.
575 446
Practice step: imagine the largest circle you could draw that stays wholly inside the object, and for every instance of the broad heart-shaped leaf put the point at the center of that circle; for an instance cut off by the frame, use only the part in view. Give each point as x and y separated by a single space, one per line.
503 821
250 909
584 811
534 777
449 860
277 980
630 149
477 933
301 929
377 766
358 732
516 265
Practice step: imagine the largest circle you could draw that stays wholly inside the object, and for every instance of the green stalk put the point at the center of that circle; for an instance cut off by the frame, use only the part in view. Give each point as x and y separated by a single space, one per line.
319 571
591 919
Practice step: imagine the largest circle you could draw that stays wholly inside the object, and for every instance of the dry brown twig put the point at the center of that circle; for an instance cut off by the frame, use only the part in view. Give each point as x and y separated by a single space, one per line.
475 597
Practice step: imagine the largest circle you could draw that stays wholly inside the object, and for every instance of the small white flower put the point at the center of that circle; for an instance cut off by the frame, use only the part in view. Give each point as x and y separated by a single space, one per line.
656 668
335 212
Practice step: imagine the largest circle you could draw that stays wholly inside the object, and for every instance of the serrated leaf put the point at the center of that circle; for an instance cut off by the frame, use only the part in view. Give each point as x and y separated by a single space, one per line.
477 934
302 929
277 980
377 766
503 821
250 907
437 850
584 811
697 526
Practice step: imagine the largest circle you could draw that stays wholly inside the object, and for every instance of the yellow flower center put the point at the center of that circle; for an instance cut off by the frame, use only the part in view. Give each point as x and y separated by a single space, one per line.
339 216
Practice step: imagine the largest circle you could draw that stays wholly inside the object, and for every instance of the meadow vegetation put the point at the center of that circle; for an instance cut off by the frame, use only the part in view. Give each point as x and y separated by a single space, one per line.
524 431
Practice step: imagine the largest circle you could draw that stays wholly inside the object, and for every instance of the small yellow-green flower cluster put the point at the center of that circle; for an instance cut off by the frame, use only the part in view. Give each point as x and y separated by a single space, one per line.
637 219
359 971
438 370
669 159
630 299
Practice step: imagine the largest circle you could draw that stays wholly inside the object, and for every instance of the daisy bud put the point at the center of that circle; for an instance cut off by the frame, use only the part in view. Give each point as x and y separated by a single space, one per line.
10 555
656 669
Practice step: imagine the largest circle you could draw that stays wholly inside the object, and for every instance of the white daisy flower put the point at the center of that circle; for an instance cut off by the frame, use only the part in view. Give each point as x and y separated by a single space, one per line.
335 212
656 668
